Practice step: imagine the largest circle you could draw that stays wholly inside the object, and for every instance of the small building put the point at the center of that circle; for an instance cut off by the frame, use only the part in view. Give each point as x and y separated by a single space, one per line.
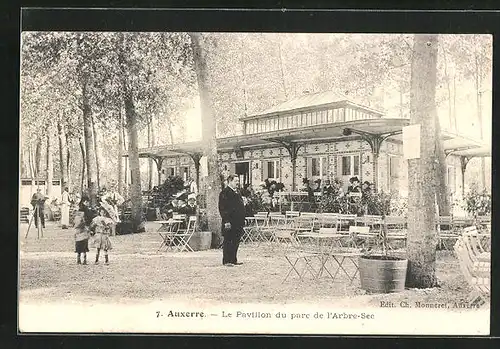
318 136
28 187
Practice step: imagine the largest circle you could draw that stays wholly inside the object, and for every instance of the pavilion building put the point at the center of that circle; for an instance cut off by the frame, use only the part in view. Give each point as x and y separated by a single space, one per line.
317 136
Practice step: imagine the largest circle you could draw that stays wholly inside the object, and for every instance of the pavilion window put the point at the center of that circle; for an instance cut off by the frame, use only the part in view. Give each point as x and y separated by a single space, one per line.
271 170
185 173
26 182
289 121
313 118
276 123
348 116
304 119
336 115
324 116
56 182
350 165
296 119
316 167
169 171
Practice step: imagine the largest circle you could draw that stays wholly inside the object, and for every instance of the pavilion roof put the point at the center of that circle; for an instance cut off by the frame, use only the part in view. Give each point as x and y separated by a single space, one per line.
311 101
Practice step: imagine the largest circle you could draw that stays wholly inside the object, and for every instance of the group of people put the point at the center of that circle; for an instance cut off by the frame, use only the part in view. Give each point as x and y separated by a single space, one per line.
96 222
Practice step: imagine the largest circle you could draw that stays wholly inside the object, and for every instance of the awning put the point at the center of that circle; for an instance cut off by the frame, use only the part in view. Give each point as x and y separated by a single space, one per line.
314 133
170 150
453 143
459 144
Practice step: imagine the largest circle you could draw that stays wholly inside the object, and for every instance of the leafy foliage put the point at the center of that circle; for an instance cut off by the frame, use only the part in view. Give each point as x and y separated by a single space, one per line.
477 203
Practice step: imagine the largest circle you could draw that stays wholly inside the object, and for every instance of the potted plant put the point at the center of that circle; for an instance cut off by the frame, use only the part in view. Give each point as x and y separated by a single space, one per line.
382 273
201 240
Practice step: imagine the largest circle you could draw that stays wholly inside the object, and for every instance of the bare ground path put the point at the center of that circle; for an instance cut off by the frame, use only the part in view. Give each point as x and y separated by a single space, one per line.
138 273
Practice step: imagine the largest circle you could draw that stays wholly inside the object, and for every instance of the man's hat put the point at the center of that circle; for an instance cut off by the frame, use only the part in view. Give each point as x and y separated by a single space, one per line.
192 196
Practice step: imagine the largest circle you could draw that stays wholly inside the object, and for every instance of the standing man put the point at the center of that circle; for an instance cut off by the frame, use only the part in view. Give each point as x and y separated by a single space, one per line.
232 211
38 203
65 208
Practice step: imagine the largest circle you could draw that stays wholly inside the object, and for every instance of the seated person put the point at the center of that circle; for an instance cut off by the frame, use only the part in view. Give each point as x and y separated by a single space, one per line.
354 186
328 188
190 208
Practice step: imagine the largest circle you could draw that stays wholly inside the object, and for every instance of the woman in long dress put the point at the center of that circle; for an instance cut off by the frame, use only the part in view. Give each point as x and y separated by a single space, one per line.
65 208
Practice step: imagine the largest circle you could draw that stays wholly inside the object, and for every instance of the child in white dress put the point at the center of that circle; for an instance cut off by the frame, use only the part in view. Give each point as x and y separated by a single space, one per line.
101 228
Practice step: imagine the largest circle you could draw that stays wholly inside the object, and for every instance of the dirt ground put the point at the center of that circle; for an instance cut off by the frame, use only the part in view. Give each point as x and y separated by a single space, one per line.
138 273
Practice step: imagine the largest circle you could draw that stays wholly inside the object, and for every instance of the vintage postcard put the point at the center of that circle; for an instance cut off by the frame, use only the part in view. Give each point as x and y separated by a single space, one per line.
265 183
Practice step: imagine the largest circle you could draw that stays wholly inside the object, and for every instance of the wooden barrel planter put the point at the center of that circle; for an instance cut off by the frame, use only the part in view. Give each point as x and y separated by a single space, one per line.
382 274
201 240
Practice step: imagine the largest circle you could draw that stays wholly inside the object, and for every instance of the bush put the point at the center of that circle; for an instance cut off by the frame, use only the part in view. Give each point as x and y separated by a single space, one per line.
477 203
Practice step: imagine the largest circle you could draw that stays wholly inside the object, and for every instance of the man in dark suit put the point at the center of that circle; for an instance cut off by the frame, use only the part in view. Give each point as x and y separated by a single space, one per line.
232 212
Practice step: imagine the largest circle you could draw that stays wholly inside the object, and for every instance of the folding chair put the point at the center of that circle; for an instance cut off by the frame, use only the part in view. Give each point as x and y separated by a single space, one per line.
167 231
476 272
445 231
363 237
345 220
395 230
261 220
284 236
249 230
182 236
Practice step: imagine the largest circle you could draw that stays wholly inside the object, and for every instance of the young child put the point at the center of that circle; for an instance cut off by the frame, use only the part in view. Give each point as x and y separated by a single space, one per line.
81 239
101 227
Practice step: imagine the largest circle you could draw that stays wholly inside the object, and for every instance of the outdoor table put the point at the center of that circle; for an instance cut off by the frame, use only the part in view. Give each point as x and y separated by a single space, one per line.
167 232
324 244
340 258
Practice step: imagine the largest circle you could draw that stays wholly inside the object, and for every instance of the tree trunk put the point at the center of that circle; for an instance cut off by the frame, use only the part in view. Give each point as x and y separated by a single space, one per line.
50 166
447 78
21 162
150 161
63 151
30 161
97 152
455 102
208 124
133 155
38 156
443 192
133 148
68 164
422 237
89 147
281 69
126 160
479 113
120 154
170 131
82 149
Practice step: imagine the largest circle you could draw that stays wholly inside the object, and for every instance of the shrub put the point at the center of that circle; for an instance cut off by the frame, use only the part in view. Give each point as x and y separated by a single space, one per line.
477 203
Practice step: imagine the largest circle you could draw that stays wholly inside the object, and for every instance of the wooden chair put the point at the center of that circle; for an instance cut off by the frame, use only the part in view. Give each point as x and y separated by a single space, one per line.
476 268
182 237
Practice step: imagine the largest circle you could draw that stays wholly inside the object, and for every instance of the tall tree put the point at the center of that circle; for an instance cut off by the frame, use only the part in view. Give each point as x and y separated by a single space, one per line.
422 236
63 151
96 150
199 44
120 153
49 165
